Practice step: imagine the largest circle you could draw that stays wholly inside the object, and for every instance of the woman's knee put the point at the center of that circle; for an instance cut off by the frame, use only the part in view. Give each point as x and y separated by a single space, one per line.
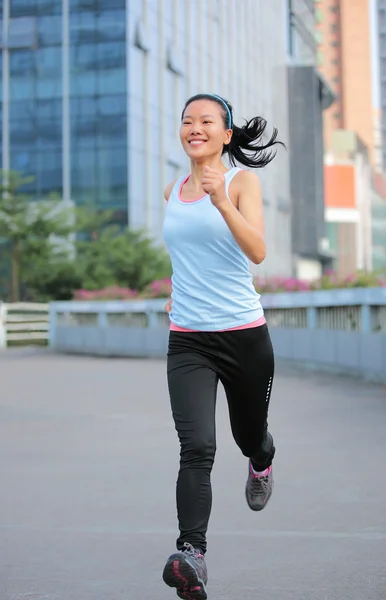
198 451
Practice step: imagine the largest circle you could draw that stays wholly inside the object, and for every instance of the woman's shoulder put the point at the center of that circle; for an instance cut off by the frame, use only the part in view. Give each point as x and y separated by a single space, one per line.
169 188
244 178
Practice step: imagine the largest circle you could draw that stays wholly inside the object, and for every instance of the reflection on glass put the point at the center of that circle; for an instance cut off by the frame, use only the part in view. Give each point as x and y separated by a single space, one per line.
49 31
98 98
35 89
98 103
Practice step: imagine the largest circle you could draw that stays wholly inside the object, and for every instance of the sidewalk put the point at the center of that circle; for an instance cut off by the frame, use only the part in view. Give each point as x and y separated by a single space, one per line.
88 463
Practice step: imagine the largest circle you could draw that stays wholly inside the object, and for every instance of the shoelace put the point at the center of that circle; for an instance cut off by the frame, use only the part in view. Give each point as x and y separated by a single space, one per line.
260 485
192 551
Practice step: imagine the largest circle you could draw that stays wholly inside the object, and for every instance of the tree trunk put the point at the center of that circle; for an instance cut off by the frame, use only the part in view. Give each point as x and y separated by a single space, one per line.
15 273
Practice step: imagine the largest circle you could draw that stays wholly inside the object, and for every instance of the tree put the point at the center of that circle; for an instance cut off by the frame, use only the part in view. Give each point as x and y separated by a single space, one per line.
55 249
29 227
128 258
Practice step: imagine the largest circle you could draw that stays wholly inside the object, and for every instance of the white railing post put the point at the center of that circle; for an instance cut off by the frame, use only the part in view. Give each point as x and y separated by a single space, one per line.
3 325
52 322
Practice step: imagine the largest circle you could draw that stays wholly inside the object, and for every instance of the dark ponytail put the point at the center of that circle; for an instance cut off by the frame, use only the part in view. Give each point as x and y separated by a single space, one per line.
246 146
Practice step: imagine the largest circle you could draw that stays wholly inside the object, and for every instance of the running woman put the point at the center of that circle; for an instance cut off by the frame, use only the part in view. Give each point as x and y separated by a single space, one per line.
213 226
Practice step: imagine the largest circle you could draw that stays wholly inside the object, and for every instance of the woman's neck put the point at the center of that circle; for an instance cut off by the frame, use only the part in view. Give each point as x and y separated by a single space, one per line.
197 170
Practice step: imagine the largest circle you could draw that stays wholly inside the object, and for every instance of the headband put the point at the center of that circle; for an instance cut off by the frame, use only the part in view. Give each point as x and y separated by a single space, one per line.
227 108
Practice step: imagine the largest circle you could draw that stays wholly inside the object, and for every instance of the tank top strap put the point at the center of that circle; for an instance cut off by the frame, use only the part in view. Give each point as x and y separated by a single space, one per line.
228 178
176 188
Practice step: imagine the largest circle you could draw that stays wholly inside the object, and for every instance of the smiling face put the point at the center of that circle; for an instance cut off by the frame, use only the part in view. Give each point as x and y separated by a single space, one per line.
203 132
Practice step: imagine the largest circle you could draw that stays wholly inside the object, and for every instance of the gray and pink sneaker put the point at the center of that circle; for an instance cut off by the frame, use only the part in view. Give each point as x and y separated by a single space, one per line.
186 571
259 488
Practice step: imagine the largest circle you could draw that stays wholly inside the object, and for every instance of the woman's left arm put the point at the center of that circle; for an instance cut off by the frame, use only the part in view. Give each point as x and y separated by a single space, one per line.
247 221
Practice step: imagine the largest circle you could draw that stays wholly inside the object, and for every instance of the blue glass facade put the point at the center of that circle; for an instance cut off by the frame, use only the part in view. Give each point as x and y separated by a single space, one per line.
96 126
35 88
98 102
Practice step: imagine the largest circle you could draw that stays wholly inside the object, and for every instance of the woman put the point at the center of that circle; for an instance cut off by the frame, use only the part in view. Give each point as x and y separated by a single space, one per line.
213 225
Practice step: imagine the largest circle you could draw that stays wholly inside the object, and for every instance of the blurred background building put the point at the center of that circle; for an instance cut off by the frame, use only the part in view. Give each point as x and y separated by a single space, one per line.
381 18
344 57
177 49
64 98
309 97
92 92
352 130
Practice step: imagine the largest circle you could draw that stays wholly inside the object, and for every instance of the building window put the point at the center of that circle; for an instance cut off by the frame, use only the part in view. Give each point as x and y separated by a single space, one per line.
319 15
335 44
337 116
22 32
334 28
382 43
320 58
382 18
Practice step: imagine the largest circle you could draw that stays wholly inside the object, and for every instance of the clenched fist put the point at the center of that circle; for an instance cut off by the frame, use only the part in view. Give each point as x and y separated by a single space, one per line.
213 183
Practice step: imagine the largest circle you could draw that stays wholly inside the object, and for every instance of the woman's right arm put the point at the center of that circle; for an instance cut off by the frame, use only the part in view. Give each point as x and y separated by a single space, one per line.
167 192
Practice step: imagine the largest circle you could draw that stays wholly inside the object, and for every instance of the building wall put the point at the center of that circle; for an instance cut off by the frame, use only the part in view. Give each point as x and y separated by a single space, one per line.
345 61
177 49
330 62
301 42
381 5
349 211
357 84
378 221
306 153
378 149
340 186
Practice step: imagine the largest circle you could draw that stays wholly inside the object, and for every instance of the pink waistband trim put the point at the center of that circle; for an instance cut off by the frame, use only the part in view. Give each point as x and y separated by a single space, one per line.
257 323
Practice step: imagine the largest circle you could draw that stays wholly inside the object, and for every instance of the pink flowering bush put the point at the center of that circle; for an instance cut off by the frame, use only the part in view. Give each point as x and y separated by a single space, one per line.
280 284
328 281
109 293
161 288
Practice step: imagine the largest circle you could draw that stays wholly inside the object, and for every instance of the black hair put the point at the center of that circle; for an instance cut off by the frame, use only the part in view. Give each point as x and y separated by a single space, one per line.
246 146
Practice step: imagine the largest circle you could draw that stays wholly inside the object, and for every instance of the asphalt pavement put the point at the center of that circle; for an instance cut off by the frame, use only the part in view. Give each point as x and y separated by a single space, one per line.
88 464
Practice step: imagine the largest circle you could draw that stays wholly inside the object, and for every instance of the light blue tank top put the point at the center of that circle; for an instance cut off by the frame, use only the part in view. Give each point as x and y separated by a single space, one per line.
212 284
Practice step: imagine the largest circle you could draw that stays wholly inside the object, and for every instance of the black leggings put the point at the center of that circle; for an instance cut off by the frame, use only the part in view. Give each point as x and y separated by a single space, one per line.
243 361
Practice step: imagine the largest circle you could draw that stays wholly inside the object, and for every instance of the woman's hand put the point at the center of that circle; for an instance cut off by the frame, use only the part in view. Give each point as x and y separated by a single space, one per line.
213 183
168 306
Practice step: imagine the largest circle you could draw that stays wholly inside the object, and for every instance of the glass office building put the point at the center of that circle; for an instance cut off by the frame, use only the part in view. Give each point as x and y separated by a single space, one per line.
64 109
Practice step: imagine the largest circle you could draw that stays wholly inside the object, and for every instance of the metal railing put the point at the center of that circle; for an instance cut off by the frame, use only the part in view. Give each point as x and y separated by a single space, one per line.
23 323
340 330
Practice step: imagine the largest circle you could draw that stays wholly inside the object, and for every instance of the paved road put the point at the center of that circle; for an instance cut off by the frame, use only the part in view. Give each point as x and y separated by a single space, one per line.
88 460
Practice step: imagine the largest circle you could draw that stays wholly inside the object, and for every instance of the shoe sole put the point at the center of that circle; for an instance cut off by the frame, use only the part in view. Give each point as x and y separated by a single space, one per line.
180 574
